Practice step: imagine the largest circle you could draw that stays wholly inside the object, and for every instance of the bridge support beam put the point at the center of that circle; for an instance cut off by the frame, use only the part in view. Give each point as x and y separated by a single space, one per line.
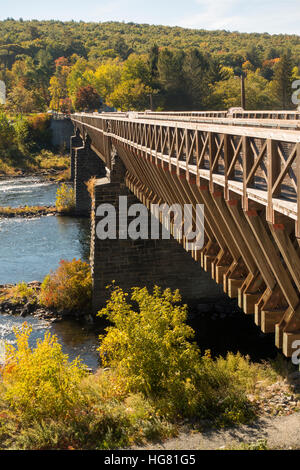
140 263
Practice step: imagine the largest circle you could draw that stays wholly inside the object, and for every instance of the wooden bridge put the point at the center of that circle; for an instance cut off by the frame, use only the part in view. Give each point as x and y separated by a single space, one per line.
245 168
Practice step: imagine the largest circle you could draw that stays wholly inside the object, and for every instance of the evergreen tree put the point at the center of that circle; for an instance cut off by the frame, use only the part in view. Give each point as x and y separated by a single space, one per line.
282 82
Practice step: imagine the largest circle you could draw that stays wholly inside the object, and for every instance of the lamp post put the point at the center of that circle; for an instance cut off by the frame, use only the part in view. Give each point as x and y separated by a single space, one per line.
242 75
151 101
243 92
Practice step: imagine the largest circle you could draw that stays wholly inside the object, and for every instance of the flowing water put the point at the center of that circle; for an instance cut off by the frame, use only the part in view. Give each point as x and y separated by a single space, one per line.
30 248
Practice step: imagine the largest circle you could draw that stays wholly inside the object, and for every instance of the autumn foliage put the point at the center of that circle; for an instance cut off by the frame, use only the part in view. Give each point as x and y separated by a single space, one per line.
69 287
87 99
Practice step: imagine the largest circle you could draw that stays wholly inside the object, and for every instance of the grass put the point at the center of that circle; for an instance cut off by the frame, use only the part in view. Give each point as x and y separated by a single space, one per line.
21 293
57 165
105 414
154 381
260 444
26 211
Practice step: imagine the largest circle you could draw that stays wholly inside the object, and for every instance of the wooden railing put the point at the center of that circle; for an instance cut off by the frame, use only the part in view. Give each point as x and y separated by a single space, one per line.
257 163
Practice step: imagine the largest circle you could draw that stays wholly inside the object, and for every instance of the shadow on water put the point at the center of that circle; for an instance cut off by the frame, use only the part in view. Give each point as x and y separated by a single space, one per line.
221 326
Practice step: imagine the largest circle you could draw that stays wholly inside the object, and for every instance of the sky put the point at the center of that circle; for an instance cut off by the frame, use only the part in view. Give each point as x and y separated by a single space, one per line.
271 16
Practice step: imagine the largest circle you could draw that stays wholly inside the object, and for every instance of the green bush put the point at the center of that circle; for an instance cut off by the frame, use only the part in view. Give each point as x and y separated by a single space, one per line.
24 137
7 137
40 130
47 402
65 198
150 347
22 293
69 287
40 382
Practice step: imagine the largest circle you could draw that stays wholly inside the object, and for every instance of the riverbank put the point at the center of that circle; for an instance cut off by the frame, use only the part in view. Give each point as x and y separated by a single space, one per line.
35 211
46 164
23 300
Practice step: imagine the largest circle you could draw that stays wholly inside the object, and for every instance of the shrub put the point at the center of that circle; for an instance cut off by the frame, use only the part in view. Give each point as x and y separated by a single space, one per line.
150 347
24 136
22 293
40 382
65 198
7 136
40 130
69 287
48 403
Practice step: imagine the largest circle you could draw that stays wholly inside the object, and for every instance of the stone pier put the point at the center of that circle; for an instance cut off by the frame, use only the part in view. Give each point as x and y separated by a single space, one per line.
87 165
139 263
75 142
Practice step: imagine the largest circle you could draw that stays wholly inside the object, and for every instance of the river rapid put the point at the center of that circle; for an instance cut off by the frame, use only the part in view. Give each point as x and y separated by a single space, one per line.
30 249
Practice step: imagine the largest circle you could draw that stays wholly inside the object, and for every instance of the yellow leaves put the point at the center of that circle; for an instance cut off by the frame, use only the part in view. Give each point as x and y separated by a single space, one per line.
69 287
65 198
148 345
40 381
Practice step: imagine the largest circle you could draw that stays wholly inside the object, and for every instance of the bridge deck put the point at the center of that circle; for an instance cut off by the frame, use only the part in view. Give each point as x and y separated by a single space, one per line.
284 202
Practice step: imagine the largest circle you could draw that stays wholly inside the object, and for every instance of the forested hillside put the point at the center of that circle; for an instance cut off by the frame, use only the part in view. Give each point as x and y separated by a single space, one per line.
125 65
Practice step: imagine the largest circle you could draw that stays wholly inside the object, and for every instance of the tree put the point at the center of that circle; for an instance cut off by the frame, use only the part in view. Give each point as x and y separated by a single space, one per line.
121 48
107 77
58 83
56 93
7 133
227 93
87 99
171 78
282 82
20 100
196 69
77 77
130 95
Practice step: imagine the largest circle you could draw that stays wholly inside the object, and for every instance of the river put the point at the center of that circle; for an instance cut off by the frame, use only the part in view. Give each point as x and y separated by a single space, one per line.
30 248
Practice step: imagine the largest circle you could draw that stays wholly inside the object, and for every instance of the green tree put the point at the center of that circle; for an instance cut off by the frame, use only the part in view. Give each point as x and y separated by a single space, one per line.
21 100
197 70
227 93
7 133
282 82
130 95
171 78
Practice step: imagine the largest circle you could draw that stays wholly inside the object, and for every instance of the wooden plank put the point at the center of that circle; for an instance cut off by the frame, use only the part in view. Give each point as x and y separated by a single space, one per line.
273 258
273 173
